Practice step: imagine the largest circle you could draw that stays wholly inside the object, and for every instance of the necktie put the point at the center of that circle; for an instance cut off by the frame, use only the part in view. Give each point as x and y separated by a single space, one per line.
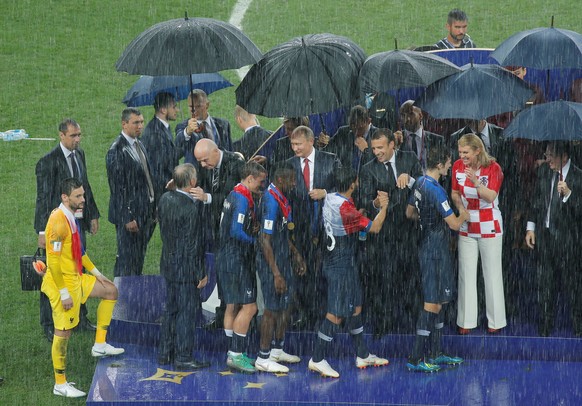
485 142
306 174
414 144
138 147
554 201
215 179
390 170
209 132
74 166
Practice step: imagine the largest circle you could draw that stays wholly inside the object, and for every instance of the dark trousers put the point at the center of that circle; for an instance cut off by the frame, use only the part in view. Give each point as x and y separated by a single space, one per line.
178 324
558 270
391 281
131 249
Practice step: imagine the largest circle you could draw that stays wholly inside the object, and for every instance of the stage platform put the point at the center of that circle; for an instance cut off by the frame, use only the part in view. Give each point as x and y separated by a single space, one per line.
515 367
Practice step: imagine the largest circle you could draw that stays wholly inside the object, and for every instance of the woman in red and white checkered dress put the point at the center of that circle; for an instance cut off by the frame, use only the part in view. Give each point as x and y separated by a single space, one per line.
476 181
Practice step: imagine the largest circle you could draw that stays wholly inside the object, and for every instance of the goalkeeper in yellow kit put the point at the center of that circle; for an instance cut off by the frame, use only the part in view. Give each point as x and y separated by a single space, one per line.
67 286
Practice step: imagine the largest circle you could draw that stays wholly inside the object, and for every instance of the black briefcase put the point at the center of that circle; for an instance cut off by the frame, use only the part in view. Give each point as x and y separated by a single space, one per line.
29 279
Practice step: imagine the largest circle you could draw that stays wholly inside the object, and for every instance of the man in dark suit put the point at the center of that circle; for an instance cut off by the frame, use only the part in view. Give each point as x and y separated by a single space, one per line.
415 138
314 171
283 150
201 125
182 266
391 254
554 227
131 203
64 161
254 136
158 141
351 143
219 173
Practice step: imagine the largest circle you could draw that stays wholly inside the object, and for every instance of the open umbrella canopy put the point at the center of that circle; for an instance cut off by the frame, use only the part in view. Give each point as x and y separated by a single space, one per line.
188 45
143 92
541 48
401 69
553 121
476 92
315 73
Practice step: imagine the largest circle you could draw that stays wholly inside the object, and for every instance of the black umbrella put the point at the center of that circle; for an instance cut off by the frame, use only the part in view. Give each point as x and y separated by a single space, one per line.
476 92
143 91
553 121
541 48
311 74
401 69
184 46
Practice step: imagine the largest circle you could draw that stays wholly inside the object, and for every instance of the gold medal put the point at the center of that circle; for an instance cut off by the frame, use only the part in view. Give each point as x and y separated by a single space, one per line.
290 226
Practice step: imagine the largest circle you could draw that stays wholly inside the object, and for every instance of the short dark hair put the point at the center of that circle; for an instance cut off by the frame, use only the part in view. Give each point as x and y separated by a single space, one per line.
163 100
438 154
126 113
344 177
456 15
383 132
358 114
559 148
251 169
183 174
70 184
282 170
64 125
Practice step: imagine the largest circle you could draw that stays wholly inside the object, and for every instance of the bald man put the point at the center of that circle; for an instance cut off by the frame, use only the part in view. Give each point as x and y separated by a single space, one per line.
218 175
414 138
254 136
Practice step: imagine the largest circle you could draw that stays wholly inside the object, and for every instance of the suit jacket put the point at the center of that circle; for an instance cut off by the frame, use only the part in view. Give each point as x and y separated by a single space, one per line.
128 186
566 222
342 144
229 176
51 170
186 148
428 142
374 177
307 214
163 158
252 140
283 150
183 239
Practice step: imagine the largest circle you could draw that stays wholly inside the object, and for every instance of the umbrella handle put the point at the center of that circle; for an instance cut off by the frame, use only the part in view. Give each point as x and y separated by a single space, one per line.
263 144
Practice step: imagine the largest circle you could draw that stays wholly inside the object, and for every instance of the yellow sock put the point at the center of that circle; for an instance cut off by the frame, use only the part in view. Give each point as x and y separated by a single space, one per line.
59 356
104 313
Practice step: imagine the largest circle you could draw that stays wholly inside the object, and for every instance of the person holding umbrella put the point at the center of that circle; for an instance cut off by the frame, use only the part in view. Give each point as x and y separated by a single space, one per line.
476 181
554 225
201 125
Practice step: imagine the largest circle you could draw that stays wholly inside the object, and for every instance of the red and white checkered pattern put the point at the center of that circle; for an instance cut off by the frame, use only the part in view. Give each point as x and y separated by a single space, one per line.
485 218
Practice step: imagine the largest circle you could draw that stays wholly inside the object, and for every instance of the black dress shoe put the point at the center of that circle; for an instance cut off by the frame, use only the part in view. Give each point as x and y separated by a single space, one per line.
193 364
86 325
48 332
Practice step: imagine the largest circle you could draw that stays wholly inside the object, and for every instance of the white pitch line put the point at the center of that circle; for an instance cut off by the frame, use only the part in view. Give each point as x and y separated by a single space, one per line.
236 18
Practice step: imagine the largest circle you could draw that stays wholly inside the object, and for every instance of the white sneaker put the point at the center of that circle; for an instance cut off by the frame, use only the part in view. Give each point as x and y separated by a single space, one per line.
268 365
323 368
279 355
371 361
108 350
68 390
